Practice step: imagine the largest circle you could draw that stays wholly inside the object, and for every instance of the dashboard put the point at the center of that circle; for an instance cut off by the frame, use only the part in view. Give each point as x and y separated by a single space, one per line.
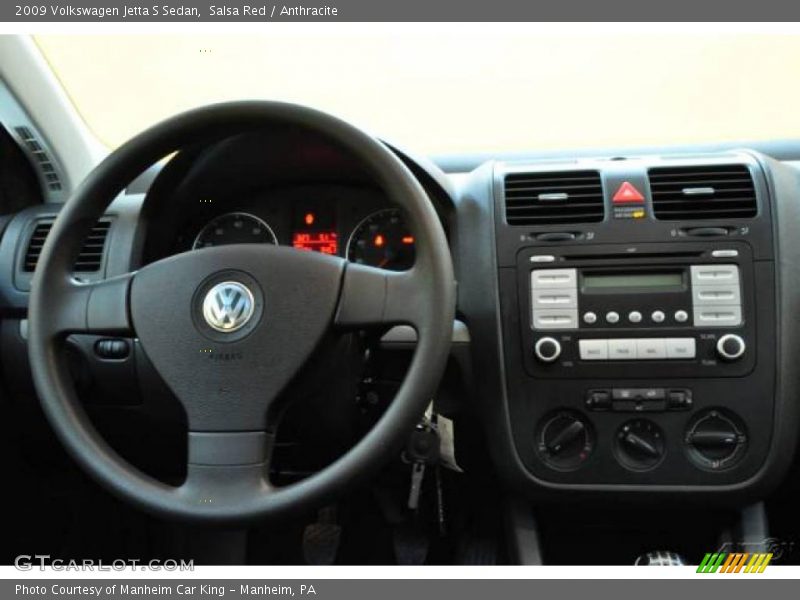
625 324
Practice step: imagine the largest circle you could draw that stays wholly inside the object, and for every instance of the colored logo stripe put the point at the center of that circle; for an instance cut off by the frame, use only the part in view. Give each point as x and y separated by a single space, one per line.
734 562
726 566
740 563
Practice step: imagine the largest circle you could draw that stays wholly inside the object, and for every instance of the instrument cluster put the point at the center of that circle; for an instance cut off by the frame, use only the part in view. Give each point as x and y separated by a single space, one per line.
348 221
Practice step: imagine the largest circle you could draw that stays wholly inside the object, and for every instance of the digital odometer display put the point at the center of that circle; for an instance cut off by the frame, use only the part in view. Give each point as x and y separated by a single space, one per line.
314 227
326 242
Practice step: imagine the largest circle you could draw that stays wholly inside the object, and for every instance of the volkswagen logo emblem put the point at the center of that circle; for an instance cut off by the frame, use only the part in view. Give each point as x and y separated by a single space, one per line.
228 306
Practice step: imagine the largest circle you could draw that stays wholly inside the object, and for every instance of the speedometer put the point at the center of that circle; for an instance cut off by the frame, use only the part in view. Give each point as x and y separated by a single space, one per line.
234 228
382 240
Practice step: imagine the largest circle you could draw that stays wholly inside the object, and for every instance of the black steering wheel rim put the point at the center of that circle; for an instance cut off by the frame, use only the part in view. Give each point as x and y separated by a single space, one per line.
426 298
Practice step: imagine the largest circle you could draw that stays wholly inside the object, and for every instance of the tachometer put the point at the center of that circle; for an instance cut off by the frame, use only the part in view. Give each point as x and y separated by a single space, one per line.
234 228
382 240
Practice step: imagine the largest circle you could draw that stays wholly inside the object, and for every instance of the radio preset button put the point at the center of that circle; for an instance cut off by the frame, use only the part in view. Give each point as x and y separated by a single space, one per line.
593 349
715 295
554 278
590 318
650 349
624 349
681 316
555 298
680 348
658 316
718 316
612 317
714 274
635 316
542 258
553 318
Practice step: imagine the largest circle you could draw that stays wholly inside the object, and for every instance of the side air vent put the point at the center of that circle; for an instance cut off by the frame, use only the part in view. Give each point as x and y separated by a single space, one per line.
49 172
703 192
91 257
554 198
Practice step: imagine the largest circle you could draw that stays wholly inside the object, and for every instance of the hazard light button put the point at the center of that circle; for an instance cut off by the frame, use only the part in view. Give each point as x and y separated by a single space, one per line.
627 193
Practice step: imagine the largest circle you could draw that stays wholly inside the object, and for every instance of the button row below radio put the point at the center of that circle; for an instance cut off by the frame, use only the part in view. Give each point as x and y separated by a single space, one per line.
638 349
639 399
613 317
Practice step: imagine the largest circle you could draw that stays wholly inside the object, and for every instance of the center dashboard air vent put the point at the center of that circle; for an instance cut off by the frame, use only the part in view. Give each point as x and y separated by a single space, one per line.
703 192
553 198
91 257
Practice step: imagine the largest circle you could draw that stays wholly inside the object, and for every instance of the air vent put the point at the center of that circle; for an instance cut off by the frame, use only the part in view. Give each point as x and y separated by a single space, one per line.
554 198
48 171
91 257
703 192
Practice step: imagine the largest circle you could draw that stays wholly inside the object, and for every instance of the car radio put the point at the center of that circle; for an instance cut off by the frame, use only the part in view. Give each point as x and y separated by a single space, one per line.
602 310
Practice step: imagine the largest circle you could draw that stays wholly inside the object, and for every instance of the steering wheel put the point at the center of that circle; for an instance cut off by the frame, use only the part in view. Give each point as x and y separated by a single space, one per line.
228 327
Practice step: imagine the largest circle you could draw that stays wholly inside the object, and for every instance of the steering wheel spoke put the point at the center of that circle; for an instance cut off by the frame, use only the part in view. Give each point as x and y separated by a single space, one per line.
225 467
376 297
100 307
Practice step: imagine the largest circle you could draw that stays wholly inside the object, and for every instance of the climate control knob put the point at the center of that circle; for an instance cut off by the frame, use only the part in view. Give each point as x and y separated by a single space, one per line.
716 439
565 440
640 444
547 349
731 347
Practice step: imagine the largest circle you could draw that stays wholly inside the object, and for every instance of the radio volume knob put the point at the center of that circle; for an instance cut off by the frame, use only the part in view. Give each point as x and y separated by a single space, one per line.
547 349
731 346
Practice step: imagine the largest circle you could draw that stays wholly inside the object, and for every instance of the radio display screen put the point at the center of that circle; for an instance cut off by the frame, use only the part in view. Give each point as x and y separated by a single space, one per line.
664 281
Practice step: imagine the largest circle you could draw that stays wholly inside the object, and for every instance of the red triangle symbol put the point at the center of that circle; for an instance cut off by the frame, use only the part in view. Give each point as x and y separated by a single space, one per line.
628 193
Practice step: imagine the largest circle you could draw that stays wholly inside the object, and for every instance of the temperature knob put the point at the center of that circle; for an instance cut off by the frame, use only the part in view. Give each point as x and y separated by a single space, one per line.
565 440
716 439
640 444
731 346
547 349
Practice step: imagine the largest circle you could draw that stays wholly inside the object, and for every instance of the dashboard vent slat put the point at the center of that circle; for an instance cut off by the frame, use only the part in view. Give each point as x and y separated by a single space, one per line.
554 198
703 192
91 256
51 177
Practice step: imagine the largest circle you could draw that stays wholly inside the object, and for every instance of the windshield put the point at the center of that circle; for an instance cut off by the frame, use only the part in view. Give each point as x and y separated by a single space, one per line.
440 90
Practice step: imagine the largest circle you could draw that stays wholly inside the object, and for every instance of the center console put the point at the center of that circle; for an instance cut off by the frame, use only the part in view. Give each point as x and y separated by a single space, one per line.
638 326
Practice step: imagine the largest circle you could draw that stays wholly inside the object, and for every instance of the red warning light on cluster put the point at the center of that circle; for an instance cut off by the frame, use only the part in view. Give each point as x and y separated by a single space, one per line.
309 218
326 242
